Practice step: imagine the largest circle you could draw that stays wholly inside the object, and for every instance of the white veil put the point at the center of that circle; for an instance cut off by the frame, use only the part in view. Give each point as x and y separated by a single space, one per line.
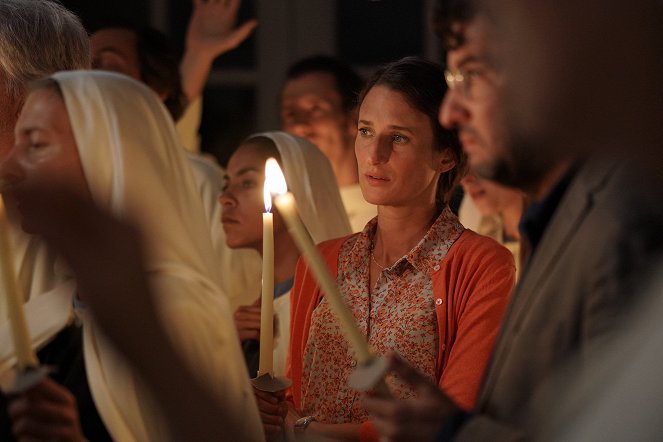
313 183
135 167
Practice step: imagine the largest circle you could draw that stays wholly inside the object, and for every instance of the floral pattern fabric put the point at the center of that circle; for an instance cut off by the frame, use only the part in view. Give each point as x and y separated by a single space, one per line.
399 315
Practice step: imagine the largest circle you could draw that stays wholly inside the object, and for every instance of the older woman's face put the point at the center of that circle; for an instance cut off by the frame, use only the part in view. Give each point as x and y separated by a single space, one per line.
242 201
398 165
44 153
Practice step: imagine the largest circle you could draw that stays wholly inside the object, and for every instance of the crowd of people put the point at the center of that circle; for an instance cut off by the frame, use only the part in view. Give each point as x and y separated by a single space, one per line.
531 314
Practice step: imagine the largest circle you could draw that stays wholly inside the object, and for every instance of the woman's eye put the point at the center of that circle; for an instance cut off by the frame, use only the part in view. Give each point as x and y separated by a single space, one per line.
364 131
399 139
248 184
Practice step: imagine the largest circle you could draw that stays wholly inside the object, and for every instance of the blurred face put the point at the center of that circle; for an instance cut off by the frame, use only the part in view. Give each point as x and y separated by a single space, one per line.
489 197
312 108
566 91
45 152
114 49
398 165
470 107
476 108
242 200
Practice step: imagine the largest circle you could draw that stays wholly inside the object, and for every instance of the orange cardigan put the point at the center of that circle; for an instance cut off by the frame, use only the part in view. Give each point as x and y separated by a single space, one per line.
471 285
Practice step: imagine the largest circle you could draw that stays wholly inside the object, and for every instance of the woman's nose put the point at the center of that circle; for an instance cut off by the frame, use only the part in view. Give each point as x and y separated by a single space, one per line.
11 171
226 199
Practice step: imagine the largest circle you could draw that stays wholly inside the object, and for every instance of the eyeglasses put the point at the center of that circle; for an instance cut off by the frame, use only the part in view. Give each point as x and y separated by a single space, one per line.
461 80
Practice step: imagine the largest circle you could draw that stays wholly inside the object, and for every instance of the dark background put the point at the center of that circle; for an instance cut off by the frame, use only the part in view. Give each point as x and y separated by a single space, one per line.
241 96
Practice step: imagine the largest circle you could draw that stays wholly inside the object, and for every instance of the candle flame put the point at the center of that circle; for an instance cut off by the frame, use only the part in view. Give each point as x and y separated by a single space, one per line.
274 179
267 195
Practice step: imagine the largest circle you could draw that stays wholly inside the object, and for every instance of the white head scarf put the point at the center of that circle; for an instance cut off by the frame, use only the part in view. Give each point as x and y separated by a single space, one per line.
312 181
135 167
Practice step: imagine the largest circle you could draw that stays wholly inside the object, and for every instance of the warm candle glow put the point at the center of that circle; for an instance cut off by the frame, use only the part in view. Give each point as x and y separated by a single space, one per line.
266 363
267 195
274 178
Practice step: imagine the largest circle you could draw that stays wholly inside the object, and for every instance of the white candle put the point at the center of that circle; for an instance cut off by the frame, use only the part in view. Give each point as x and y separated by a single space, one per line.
25 356
287 206
266 364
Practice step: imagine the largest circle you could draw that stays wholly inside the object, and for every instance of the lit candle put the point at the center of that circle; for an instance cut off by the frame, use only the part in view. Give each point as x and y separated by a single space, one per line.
266 364
287 206
25 356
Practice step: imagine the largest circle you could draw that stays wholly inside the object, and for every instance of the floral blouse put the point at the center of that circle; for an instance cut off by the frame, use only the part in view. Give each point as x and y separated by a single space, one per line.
399 315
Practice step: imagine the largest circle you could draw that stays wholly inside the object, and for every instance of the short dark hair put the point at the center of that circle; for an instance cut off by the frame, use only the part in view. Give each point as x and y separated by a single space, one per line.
422 84
159 64
348 82
447 15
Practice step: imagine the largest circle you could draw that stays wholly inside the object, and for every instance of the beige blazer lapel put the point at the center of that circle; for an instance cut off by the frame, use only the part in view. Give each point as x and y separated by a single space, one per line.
576 204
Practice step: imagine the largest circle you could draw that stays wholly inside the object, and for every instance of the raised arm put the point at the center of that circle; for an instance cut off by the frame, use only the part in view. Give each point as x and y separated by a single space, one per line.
211 33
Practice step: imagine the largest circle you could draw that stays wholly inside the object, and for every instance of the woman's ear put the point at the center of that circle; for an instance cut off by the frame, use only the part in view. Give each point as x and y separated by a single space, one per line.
445 161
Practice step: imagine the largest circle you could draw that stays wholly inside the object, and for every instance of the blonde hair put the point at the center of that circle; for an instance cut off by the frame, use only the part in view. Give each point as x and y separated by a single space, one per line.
39 38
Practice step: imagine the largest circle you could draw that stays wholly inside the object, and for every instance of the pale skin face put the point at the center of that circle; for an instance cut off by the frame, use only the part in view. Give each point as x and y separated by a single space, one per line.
44 152
242 200
311 108
473 113
398 165
114 49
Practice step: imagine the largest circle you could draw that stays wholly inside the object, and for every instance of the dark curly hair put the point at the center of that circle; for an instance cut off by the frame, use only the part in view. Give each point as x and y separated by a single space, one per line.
447 14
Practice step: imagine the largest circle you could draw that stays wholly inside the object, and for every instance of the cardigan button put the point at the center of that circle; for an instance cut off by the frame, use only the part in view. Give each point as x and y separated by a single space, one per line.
439 301
436 267
353 363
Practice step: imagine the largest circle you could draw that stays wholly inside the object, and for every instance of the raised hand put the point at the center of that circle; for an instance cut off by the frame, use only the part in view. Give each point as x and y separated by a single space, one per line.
212 31
212 28
247 321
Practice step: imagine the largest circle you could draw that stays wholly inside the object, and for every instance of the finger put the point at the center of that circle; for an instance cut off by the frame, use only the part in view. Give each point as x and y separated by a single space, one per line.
247 324
237 36
51 391
271 419
33 429
233 7
271 398
42 411
246 309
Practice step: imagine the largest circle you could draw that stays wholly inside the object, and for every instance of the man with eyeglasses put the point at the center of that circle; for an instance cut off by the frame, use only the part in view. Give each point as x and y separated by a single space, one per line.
590 235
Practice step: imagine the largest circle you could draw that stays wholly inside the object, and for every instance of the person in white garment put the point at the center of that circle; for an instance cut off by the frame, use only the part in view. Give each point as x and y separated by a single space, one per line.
311 180
108 139
319 103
